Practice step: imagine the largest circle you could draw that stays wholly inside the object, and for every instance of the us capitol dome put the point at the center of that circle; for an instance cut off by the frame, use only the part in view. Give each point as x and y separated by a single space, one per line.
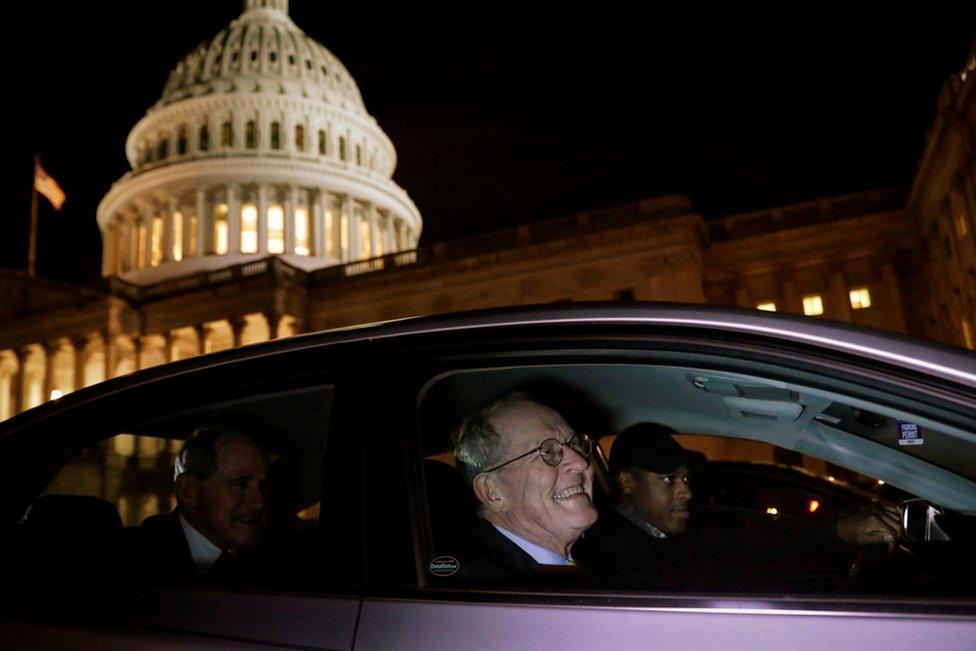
259 146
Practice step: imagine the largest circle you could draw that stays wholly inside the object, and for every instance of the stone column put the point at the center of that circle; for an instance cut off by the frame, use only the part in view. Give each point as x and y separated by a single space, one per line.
233 219
374 234
839 298
81 353
273 318
203 336
893 295
137 351
169 346
318 225
202 221
169 235
291 203
353 226
237 330
50 349
109 360
18 383
263 219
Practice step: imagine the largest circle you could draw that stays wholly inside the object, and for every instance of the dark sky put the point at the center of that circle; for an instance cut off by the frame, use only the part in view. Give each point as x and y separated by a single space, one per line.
501 115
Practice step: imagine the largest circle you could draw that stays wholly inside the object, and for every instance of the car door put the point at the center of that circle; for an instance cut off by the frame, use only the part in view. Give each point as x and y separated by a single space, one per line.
601 373
112 443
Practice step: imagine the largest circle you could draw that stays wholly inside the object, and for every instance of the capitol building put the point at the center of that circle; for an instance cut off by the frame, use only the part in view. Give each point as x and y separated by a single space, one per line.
260 203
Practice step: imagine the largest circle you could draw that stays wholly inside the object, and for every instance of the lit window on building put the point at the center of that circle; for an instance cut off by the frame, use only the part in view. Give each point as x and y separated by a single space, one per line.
249 228
331 248
192 225
276 229
177 236
962 226
344 231
250 135
157 241
141 247
299 137
276 135
365 232
860 298
220 228
767 306
227 135
967 334
813 305
303 231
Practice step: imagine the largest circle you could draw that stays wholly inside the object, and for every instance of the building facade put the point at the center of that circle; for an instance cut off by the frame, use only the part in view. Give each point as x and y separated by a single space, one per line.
261 204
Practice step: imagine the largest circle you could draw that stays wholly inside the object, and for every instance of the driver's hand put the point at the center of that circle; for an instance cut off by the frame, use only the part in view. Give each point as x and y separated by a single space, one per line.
872 526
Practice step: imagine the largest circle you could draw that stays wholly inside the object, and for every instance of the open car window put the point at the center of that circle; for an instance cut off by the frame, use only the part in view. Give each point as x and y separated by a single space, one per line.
788 455
115 500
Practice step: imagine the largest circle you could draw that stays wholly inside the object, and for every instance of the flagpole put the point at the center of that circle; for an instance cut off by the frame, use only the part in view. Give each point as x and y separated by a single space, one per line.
32 245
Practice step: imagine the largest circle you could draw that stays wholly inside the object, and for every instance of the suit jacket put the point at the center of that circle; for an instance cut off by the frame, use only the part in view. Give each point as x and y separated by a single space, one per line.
491 558
616 552
164 554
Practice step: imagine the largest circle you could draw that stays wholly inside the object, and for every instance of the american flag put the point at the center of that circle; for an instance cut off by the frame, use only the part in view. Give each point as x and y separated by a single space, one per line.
48 187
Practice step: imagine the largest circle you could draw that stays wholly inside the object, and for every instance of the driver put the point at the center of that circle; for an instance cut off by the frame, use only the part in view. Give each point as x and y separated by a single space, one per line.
642 539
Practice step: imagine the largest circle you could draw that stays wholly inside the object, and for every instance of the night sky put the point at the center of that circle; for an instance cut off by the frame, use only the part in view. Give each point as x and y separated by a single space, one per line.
502 115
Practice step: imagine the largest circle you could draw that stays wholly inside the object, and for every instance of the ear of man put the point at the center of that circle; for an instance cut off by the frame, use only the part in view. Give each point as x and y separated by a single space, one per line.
187 490
625 482
486 490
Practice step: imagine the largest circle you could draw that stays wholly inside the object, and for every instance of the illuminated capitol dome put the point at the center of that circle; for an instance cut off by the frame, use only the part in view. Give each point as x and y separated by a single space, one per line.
260 145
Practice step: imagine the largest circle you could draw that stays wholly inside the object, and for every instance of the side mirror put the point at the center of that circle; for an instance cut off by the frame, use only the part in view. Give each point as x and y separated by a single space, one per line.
918 521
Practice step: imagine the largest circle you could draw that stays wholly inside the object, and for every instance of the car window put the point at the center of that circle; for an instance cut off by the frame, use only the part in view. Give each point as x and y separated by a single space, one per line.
781 472
116 498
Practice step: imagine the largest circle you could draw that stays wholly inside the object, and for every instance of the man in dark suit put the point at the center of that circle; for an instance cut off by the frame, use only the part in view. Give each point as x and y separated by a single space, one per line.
533 480
212 538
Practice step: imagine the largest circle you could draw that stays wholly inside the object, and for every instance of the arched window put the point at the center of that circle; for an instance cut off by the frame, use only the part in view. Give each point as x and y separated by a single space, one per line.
227 134
276 135
181 141
276 228
156 251
204 138
342 148
299 137
250 135
249 228
322 141
221 213
177 236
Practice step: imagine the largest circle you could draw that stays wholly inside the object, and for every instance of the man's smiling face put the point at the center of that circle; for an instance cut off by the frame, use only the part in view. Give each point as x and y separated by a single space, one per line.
548 505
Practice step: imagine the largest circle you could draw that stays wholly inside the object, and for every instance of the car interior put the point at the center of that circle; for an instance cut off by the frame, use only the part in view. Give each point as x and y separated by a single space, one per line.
825 443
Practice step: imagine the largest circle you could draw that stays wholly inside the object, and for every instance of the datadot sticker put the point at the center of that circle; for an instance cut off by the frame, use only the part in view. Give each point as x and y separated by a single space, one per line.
909 434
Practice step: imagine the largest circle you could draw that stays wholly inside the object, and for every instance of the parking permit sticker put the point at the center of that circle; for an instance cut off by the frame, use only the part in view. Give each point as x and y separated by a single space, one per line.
909 434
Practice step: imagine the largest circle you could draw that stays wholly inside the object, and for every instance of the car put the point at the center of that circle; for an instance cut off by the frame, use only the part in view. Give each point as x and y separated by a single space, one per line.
362 420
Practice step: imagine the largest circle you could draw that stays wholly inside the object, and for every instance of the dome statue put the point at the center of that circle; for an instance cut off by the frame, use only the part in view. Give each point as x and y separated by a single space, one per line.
260 145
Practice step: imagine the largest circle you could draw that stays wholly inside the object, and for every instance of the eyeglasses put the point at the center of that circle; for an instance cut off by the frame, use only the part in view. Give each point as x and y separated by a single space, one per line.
551 451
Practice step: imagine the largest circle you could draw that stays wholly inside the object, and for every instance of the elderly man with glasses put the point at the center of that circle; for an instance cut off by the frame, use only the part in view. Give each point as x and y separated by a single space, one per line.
532 476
